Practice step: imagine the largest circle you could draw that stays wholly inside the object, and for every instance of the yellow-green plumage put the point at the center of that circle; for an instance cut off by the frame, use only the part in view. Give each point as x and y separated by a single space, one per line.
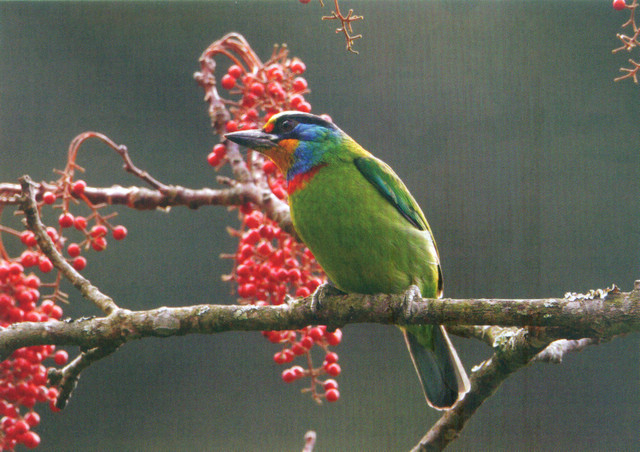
364 228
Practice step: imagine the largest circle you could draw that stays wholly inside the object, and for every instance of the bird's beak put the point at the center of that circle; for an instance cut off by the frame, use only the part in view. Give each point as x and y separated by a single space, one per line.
254 139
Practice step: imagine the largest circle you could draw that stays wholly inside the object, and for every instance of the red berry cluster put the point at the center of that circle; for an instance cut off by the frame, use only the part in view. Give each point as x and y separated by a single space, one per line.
270 264
23 377
274 87
94 237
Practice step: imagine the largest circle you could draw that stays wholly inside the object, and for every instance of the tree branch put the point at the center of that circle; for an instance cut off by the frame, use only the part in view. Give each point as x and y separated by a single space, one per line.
597 318
142 198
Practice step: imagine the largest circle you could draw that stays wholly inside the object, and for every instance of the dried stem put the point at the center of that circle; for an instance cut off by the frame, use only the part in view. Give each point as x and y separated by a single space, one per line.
346 28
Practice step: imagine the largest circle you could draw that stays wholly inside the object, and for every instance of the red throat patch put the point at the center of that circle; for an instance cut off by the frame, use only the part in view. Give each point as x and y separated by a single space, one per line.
299 181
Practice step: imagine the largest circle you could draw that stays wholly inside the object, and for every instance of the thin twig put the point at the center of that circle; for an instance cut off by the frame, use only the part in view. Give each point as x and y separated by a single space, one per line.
67 378
34 223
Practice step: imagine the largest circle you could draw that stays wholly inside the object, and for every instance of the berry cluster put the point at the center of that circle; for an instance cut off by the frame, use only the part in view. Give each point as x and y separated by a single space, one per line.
23 376
274 88
269 264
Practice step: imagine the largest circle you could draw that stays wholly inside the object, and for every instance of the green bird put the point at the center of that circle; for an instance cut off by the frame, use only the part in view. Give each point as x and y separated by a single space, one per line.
364 228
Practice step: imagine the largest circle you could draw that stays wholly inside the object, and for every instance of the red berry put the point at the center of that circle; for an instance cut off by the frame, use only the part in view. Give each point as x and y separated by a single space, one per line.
332 395
214 159
228 81
251 237
269 167
99 243
283 357
45 265
248 101
98 230
32 317
80 223
619 5
78 187
56 313
73 250
298 349
304 2
235 71
220 149
306 342
254 220
273 336
304 107
65 220
330 384
302 291
245 252
48 197
119 232
288 376
331 357
334 338
28 238
333 369
247 290
274 72
79 263
61 357
298 371
266 231
28 258
299 84
231 126
20 427
32 281
296 100
265 249
297 66
279 192
276 90
316 334
32 418
257 89
31 440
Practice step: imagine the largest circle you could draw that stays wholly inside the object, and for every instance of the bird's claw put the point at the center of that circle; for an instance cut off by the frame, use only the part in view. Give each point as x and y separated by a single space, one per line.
411 296
321 292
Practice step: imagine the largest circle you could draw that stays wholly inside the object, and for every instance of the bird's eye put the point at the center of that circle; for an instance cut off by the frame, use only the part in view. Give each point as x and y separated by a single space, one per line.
287 125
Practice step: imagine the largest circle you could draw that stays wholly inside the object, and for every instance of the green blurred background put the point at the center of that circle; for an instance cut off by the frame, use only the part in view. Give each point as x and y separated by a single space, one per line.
501 117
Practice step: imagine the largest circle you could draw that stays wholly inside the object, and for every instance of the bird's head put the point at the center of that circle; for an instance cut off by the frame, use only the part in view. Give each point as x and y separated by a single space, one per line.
296 142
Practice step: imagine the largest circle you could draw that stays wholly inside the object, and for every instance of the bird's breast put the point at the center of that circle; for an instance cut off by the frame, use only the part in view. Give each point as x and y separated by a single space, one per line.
360 239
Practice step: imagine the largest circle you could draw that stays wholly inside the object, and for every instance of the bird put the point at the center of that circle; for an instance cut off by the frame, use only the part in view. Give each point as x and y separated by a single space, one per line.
365 230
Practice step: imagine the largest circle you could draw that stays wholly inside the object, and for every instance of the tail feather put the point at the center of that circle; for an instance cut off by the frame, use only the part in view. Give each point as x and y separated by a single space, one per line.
444 380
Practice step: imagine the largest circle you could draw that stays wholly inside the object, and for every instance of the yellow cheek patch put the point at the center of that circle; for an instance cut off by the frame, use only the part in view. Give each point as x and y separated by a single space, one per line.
289 145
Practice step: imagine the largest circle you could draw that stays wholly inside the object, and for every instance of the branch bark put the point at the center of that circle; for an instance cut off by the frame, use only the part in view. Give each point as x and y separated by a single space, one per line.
563 318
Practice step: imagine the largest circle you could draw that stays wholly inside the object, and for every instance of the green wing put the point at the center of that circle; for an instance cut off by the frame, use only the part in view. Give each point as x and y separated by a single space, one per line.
393 189
381 176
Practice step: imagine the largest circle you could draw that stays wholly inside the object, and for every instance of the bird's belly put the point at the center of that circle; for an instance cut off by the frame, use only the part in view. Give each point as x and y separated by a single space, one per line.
360 239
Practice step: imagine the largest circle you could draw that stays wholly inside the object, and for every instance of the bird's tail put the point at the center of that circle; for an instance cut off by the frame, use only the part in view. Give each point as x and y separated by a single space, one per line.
444 380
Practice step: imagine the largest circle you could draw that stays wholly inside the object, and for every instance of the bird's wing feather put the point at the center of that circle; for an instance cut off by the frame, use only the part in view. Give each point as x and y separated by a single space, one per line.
381 176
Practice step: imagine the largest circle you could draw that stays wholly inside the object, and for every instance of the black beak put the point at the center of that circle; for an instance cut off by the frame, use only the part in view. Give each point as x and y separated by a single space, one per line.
255 139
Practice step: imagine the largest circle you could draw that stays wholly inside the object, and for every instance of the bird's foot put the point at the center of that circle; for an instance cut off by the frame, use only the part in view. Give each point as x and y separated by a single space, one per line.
321 292
411 296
